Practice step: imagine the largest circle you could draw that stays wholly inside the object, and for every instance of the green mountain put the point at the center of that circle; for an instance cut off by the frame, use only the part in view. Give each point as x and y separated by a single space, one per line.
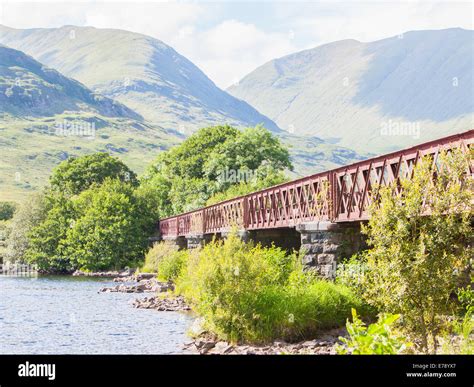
46 117
143 73
29 88
372 97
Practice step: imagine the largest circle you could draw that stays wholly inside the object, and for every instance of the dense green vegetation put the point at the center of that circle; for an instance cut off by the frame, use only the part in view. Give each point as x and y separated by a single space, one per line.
95 214
95 218
378 338
254 294
217 163
416 262
7 209
166 260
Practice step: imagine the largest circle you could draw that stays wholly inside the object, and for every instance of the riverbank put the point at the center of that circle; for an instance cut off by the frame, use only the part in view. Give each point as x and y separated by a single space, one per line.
325 344
204 342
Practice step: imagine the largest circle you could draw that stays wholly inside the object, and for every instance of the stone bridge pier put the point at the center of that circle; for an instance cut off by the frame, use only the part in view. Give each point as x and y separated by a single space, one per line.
322 245
325 244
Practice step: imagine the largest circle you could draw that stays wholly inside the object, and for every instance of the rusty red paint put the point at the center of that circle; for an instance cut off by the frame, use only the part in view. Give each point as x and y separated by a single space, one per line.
338 195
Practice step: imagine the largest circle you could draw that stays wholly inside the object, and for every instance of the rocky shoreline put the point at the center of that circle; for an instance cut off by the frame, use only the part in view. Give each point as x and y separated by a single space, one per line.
162 304
145 285
206 344
103 274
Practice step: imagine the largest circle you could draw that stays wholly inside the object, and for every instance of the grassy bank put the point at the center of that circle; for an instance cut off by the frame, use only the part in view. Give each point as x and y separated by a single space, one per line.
248 293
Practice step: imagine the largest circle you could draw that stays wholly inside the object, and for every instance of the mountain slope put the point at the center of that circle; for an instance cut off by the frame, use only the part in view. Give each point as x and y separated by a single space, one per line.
29 88
419 85
46 117
141 72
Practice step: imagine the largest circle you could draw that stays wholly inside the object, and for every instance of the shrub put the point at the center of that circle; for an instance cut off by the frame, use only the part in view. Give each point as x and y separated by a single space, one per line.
7 209
351 273
459 338
376 339
156 254
170 267
415 260
297 312
255 294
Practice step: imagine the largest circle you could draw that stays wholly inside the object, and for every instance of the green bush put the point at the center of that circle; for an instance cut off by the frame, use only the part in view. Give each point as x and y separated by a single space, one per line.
459 338
351 273
298 311
170 267
156 254
415 260
7 209
254 294
376 339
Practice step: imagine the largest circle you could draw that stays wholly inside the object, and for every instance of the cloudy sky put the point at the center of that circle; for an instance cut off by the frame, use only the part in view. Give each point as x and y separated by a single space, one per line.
228 39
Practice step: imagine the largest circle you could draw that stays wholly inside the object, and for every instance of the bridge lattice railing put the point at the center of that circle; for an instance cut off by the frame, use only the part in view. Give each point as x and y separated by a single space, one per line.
339 195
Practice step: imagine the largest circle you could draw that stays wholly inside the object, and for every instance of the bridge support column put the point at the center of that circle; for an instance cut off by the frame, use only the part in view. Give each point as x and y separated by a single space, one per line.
197 240
324 244
178 241
242 234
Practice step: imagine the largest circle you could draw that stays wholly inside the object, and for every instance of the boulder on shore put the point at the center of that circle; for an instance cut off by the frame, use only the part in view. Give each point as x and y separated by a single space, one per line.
147 285
162 304
325 344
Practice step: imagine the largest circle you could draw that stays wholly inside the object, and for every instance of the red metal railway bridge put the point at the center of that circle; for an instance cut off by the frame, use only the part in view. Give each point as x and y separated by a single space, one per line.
312 205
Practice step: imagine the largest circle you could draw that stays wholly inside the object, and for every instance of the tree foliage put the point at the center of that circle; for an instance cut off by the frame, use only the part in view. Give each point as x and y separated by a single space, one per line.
212 163
7 209
96 217
420 243
28 215
77 174
108 230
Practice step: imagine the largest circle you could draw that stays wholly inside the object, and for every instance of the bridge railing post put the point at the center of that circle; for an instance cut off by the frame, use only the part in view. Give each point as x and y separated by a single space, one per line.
203 217
245 212
332 196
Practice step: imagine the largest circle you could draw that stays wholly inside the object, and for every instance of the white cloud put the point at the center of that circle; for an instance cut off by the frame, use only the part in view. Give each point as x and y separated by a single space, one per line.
232 49
227 45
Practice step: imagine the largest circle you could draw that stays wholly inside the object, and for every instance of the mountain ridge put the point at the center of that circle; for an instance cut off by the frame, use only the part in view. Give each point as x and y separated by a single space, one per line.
139 71
347 92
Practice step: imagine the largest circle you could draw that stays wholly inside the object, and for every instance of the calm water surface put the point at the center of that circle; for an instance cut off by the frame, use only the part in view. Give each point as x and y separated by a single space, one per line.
67 315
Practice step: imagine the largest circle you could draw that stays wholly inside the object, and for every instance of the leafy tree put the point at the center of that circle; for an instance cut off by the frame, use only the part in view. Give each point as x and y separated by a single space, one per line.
251 149
29 214
415 259
109 231
194 171
46 242
75 175
259 182
7 209
46 248
187 159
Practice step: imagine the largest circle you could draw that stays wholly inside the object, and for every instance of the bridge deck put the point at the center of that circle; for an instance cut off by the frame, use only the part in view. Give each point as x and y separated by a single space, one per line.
338 195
